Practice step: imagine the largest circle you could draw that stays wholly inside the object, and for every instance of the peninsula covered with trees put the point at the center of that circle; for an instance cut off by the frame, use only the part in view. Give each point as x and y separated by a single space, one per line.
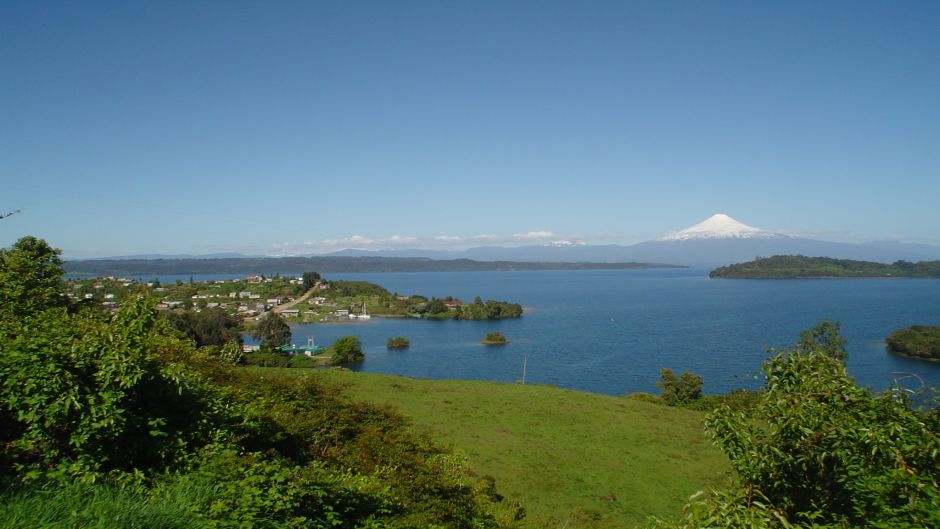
802 267
916 341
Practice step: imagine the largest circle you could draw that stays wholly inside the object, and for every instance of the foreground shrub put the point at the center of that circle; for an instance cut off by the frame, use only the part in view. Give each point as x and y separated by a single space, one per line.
820 451
124 405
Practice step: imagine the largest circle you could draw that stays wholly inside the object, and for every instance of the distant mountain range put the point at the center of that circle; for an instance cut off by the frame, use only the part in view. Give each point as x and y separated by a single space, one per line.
719 240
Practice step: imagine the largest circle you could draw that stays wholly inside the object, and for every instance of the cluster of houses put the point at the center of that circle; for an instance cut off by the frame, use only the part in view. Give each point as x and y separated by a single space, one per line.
245 303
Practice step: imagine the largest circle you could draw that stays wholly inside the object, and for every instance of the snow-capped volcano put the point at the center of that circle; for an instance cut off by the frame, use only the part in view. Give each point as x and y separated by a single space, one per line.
721 226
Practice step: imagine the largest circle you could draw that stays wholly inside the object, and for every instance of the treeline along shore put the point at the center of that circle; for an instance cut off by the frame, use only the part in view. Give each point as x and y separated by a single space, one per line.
326 264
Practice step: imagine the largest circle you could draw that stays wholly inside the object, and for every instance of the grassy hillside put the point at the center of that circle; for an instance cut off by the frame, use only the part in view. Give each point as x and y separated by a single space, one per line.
572 459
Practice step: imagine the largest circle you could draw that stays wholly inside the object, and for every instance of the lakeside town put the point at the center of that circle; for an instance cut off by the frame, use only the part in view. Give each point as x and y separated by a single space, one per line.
303 299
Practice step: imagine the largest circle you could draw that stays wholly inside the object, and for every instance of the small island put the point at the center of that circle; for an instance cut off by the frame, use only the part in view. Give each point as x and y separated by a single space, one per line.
802 267
494 338
916 341
398 342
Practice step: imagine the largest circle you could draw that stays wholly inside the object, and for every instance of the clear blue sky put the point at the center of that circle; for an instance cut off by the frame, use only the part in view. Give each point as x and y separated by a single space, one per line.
264 127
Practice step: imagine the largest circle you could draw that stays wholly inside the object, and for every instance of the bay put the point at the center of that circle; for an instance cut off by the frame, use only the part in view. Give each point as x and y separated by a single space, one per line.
611 331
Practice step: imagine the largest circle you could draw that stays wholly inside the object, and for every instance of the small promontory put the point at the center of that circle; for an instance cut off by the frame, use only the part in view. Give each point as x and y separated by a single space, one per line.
802 267
917 341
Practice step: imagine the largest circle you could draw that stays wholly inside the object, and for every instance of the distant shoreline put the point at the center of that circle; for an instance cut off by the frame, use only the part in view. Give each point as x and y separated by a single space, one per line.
296 265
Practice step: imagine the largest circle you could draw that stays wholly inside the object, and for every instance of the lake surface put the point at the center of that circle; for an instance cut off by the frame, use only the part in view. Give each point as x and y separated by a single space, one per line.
611 331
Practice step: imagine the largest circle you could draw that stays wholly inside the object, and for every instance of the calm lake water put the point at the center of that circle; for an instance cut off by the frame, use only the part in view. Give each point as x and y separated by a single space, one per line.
611 331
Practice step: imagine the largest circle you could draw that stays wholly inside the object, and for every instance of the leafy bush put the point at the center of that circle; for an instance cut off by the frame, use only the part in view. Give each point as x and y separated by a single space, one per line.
679 391
820 451
263 358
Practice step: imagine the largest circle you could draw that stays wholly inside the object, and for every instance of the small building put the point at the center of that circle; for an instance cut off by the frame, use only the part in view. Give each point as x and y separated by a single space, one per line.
291 313
342 312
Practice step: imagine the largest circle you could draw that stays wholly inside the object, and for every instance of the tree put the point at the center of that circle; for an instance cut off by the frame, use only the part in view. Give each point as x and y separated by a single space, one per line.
347 350
273 332
824 338
310 279
679 391
30 278
207 327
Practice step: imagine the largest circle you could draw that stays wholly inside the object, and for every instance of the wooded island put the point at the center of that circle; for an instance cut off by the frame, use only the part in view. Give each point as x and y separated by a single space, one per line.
917 341
802 267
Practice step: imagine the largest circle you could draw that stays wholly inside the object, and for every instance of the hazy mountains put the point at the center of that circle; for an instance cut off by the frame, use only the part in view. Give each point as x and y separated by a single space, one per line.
719 240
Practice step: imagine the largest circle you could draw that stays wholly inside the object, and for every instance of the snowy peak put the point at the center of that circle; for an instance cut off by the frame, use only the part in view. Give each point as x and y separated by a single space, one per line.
721 226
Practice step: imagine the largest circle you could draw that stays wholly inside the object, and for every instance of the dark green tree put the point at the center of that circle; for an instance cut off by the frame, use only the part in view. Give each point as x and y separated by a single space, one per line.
310 279
679 391
346 350
824 338
207 327
30 278
272 331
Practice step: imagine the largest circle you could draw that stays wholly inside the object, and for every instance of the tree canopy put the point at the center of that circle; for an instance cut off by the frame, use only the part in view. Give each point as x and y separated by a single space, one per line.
30 278
208 326
346 350
272 331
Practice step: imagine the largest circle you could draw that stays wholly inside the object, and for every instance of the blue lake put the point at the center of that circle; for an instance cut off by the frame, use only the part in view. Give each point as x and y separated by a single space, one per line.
611 331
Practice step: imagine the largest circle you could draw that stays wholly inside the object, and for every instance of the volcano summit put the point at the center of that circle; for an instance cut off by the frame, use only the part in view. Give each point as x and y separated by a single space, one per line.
721 226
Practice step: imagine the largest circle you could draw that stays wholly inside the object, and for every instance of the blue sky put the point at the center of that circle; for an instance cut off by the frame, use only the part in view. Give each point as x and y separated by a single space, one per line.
285 127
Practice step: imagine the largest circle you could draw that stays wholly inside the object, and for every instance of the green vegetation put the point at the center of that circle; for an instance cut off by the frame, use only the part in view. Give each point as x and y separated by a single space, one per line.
31 278
272 331
917 341
310 280
820 451
798 266
679 391
453 309
398 342
207 327
122 409
358 288
494 338
346 350
574 460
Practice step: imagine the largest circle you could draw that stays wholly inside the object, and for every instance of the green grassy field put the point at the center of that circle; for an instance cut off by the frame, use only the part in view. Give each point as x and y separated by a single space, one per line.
573 459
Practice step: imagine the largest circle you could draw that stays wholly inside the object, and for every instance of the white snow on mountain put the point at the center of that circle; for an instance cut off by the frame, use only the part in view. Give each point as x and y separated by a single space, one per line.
721 226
